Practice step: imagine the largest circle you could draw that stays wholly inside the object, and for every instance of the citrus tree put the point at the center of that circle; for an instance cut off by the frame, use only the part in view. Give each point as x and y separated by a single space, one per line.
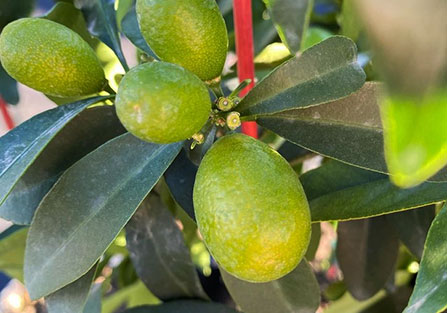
139 191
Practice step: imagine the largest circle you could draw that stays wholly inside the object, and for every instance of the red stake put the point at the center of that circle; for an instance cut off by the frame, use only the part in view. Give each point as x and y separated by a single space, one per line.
4 110
243 25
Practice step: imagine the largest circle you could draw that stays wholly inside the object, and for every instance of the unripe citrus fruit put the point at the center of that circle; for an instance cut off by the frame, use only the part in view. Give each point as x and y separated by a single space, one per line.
162 102
50 58
251 209
190 33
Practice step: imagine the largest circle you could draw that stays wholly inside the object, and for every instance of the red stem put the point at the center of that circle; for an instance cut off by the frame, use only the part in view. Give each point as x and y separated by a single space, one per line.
4 110
243 25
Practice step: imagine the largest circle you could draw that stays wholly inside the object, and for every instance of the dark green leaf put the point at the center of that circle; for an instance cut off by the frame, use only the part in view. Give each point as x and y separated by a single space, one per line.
8 87
93 304
159 253
337 191
430 292
314 242
412 227
132 31
180 178
20 147
9 231
101 20
291 18
71 298
87 131
12 251
87 208
184 306
325 72
297 292
348 130
367 252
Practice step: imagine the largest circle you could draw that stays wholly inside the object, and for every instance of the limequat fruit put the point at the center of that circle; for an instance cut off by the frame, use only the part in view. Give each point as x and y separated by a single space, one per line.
162 102
50 58
251 209
190 33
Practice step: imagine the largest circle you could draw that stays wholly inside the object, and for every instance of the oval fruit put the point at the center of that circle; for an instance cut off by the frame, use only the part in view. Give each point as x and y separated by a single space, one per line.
162 102
189 33
251 209
50 58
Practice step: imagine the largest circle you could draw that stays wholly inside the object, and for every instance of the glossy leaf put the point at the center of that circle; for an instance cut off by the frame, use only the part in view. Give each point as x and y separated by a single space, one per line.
93 304
101 20
8 87
21 146
430 292
297 292
93 199
337 191
314 242
415 136
12 251
291 18
366 252
87 131
159 254
73 297
325 72
132 31
412 227
348 130
184 306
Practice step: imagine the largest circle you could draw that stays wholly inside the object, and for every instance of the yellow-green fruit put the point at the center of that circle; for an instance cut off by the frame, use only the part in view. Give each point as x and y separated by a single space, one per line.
191 33
50 58
251 209
162 102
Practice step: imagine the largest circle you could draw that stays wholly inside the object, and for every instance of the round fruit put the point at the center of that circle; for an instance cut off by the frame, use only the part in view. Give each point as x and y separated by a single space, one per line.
251 209
162 102
50 58
190 33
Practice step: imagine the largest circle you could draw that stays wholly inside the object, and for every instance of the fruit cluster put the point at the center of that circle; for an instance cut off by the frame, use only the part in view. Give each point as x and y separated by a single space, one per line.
250 206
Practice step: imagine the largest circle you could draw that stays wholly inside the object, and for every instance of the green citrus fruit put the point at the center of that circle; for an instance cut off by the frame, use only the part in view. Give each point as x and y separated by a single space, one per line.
50 58
191 33
251 209
162 102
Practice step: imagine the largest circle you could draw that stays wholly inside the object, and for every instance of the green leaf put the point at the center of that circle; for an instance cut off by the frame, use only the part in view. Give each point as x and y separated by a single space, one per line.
87 208
337 191
93 304
84 133
159 254
73 297
184 306
412 227
366 252
325 72
101 20
21 146
429 294
349 20
12 251
348 130
313 36
291 18
8 87
314 242
296 292
415 136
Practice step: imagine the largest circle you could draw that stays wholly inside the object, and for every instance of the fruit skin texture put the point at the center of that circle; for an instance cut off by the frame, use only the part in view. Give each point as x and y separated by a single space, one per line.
251 209
162 102
190 33
50 58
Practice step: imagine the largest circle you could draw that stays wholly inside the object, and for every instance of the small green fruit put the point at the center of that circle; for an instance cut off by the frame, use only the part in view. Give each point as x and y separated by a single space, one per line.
50 58
251 209
191 33
162 102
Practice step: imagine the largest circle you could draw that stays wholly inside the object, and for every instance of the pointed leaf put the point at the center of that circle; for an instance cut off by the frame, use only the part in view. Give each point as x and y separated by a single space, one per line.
348 130
325 72
20 147
297 292
84 133
337 191
73 297
159 254
184 306
87 208
430 292
367 252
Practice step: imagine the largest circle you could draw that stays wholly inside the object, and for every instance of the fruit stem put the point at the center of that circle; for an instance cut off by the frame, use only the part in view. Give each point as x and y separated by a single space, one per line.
109 89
